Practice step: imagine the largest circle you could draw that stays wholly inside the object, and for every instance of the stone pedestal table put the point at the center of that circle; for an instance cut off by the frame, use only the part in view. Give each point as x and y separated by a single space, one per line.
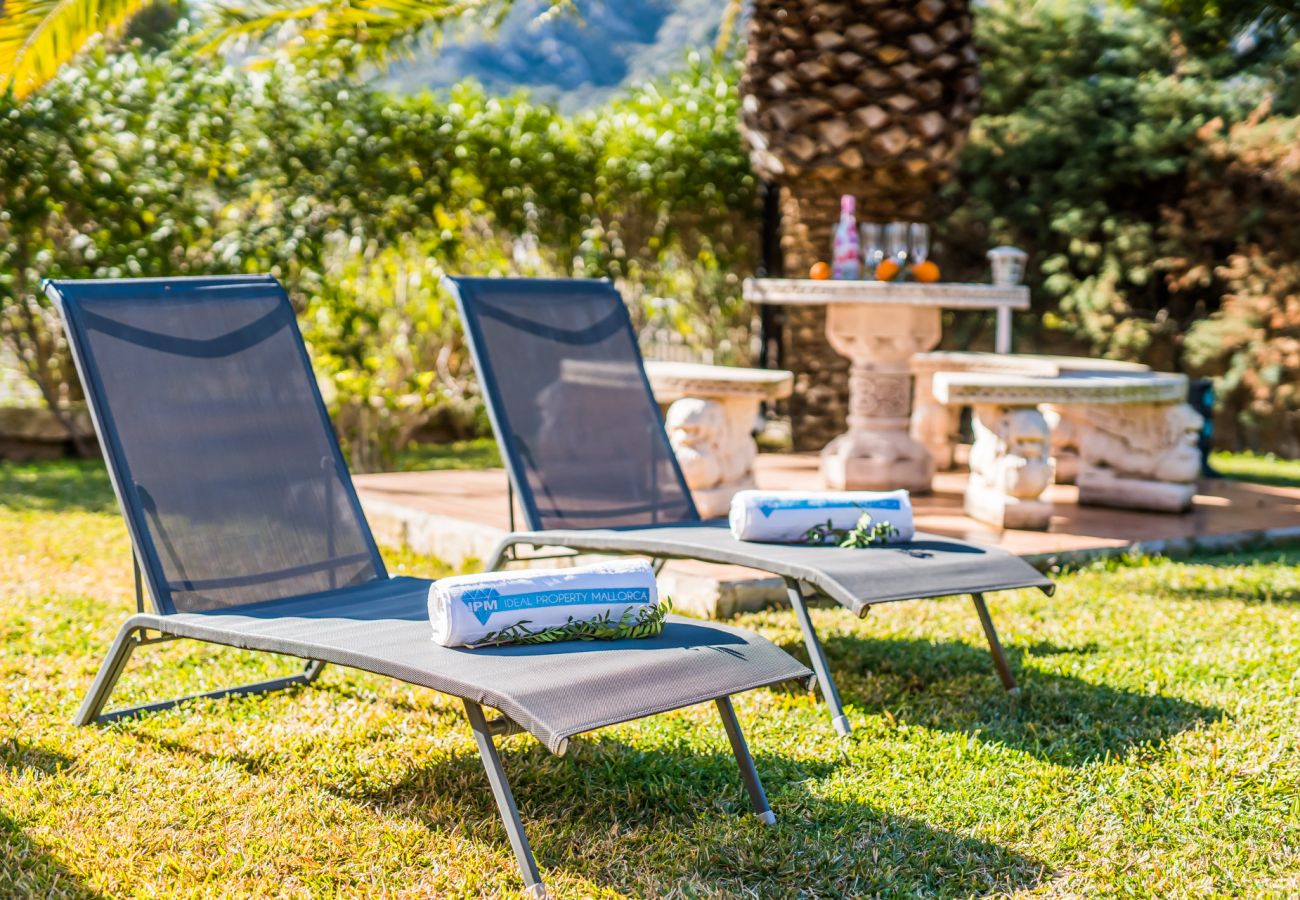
879 326
1134 449
710 416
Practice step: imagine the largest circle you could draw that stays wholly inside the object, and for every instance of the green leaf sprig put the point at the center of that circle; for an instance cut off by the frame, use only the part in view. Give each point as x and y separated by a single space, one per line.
648 621
865 533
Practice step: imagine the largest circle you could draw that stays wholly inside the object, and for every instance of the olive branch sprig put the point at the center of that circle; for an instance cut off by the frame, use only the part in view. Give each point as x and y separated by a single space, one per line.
647 621
865 533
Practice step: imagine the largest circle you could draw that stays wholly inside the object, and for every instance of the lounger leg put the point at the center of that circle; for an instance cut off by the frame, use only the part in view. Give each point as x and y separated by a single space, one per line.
818 657
748 774
995 646
505 800
128 638
505 554
499 556
131 636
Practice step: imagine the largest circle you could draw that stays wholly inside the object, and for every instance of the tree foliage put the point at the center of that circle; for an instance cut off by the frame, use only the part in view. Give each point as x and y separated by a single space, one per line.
1150 182
145 164
39 36
1219 21
1088 131
347 33
1243 215
1154 183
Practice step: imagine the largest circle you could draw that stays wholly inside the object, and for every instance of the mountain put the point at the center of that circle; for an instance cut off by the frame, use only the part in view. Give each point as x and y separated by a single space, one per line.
574 59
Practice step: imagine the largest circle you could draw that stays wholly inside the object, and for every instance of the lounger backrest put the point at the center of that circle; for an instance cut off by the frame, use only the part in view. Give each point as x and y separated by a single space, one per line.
579 428
218 444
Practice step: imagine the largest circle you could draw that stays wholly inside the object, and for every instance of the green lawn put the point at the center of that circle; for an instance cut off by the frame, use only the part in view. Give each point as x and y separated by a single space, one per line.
1153 751
1264 468
477 453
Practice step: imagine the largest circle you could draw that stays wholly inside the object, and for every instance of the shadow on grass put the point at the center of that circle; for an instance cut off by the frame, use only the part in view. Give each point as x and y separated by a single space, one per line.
1256 587
65 485
26 870
1248 556
951 686
1248 594
17 756
668 821
612 813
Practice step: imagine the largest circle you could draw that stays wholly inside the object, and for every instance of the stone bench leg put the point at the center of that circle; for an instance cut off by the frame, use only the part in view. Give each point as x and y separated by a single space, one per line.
1138 456
934 425
1065 442
1010 469
715 448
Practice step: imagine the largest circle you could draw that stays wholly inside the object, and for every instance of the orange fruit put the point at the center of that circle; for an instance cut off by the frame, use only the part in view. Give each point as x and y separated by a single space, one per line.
886 270
926 271
820 271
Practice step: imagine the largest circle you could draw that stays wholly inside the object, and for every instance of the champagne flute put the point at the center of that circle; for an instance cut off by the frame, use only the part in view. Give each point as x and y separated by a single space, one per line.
873 247
920 242
896 242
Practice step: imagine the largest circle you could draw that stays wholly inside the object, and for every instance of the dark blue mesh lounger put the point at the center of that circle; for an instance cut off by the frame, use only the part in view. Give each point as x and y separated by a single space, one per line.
248 533
584 443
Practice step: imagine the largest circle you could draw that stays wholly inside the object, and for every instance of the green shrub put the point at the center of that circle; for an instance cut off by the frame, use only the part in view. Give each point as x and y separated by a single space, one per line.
148 164
117 171
1245 200
1157 198
1088 131
1156 193
386 340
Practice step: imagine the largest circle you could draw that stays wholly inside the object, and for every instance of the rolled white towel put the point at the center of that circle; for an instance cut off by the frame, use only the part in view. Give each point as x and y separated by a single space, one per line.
467 610
786 516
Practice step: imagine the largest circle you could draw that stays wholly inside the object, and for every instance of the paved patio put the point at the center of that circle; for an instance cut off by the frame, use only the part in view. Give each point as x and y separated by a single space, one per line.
461 515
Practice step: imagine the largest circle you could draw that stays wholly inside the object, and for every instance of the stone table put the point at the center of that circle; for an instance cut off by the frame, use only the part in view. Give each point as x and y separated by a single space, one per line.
879 325
711 411
1135 455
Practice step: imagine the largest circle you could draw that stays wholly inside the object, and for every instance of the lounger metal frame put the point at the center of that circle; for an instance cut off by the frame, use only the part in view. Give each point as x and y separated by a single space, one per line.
136 632
145 629
799 591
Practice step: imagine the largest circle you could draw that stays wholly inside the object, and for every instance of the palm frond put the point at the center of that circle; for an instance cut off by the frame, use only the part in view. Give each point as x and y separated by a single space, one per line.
731 16
374 31
39 36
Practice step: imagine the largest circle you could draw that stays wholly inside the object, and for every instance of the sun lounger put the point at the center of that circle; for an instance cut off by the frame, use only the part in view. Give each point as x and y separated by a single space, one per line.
248 533
584 443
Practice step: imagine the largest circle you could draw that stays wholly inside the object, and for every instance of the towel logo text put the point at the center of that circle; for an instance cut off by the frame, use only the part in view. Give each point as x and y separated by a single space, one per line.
770 506
484 602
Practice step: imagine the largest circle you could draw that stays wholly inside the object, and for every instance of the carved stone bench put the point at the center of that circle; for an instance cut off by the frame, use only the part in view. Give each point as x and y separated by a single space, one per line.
711 411
1136 437
937 425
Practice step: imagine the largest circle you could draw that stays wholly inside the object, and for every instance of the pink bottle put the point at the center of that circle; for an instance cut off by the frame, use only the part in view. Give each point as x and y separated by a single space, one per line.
846 262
